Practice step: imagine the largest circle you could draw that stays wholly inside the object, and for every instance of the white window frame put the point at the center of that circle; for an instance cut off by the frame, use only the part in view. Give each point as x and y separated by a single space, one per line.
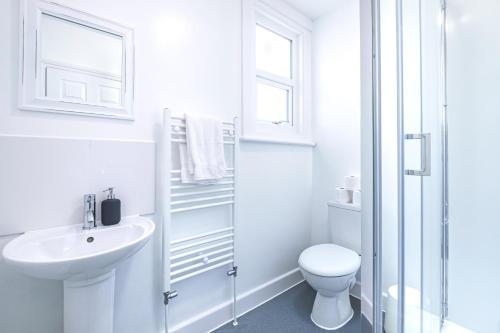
289 88
281 19
292 85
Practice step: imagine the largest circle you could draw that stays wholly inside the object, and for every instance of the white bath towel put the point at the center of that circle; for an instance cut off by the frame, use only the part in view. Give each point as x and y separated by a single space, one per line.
202 157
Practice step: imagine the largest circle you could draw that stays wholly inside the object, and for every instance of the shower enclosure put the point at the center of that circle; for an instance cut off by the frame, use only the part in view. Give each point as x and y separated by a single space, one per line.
436 124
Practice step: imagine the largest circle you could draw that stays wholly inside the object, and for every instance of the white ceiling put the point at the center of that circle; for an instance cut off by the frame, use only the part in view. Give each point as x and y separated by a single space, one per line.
314 8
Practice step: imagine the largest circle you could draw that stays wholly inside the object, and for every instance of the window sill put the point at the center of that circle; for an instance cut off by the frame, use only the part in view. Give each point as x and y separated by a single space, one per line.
253 139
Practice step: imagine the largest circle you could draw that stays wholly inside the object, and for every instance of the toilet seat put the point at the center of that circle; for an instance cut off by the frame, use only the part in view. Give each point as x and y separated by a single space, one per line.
329 260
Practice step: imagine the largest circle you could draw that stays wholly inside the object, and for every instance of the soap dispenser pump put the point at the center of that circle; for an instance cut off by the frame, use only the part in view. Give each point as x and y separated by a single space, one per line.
110 208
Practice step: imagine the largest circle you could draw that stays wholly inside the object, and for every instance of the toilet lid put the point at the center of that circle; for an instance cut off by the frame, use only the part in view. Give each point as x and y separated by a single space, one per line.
329 260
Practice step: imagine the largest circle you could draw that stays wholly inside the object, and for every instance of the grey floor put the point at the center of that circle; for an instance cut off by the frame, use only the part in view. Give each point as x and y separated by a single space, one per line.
289 313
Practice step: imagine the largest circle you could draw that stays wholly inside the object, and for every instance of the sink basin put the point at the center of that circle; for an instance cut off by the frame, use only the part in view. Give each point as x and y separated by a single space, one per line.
85 260
73 253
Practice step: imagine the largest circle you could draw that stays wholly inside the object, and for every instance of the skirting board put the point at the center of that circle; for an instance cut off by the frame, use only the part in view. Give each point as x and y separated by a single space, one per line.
356 290
367 308
221 314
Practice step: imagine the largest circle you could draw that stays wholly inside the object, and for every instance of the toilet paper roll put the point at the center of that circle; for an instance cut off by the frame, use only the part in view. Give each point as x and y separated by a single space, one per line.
356 198
343 195
352 183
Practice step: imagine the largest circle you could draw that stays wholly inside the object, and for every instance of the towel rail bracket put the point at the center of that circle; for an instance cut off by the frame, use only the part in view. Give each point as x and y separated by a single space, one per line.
233 272
167 296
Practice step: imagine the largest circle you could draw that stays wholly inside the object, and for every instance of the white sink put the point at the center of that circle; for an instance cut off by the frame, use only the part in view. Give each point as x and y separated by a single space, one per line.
73 253
86 261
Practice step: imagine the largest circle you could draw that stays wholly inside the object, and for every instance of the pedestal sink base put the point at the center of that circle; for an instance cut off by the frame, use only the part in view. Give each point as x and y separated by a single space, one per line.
85 261
89 304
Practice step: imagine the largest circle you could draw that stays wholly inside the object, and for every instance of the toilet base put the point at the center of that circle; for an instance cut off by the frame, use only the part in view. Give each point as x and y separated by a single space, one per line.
332 313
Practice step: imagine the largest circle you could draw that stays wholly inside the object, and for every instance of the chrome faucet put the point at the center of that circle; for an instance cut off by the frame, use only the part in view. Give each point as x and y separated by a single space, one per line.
89 211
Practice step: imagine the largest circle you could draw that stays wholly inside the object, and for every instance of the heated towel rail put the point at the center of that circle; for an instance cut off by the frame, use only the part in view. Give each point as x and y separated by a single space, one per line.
191 256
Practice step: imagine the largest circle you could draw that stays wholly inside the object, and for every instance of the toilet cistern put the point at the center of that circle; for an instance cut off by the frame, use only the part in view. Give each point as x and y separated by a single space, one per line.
89 221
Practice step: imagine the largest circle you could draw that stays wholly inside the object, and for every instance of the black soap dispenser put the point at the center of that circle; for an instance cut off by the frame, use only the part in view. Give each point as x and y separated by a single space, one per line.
110 209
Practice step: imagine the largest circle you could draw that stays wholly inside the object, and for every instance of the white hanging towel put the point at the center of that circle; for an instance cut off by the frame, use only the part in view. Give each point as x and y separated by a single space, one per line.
202 156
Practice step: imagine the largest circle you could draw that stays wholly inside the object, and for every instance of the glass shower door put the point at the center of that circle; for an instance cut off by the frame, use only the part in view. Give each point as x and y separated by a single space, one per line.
434 194
411 140
437 118
460 103
473 98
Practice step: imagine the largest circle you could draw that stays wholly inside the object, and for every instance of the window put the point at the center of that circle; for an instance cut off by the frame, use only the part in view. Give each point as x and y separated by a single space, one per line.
276 73
273 55
273 52
273 103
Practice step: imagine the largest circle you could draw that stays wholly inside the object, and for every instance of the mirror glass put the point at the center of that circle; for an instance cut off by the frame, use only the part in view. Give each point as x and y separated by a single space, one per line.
74 62
79 63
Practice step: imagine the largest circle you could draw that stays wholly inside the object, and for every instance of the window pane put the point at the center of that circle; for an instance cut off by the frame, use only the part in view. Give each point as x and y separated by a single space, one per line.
272 103
273 52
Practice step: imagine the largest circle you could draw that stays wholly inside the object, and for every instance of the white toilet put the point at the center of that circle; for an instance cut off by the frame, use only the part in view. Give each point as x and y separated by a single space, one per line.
331 268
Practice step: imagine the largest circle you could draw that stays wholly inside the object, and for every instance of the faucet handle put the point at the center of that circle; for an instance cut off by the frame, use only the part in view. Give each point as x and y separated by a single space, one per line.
89 199
89 211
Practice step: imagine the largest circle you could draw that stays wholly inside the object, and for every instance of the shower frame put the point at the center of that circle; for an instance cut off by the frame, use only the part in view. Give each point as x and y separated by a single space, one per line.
376 117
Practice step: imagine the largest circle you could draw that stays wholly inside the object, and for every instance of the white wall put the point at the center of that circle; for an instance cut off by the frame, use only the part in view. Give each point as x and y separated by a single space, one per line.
272 230
44 179
366 159
274 219
336 105
336 114
188 59
473 103
28 304
277 210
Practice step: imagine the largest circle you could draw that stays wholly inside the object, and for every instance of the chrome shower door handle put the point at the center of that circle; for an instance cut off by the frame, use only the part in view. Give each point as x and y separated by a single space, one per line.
425 145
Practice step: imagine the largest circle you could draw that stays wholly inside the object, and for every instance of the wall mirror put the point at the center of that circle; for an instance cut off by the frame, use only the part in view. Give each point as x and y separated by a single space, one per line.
75 63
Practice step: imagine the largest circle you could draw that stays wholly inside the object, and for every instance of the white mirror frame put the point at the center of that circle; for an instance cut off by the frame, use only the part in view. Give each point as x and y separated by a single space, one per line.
29 53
